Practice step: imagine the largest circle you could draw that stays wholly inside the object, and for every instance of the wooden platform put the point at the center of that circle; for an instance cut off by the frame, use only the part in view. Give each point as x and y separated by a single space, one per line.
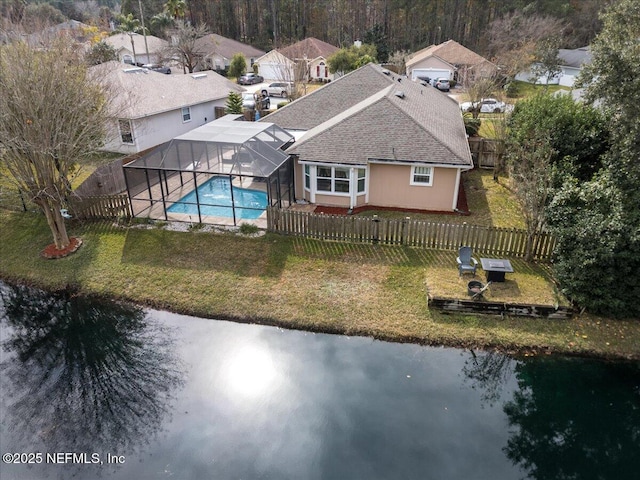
500 308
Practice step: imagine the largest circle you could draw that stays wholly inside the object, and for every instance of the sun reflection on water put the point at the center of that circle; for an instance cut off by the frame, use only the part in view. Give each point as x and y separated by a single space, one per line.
251 371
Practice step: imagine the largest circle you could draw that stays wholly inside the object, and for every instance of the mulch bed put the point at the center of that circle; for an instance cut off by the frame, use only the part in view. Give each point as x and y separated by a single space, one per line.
51 252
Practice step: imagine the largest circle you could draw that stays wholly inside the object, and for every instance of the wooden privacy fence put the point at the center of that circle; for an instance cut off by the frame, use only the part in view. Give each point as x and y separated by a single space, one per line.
406 231
486 153
100 206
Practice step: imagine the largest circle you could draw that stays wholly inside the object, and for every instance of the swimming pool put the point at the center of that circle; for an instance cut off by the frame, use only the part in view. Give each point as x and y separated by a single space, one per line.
215 200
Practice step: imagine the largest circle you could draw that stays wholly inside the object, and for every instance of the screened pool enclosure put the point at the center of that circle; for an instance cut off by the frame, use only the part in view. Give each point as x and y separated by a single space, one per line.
225 172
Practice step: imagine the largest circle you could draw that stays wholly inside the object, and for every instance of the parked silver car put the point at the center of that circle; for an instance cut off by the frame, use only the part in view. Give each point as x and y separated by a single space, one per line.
486 105
278 89
250 79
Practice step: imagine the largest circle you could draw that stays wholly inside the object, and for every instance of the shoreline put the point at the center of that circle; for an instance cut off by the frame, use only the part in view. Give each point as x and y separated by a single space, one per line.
514 350
311 285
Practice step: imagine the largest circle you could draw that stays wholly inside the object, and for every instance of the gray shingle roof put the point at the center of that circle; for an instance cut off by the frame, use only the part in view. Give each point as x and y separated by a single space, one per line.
575 57
138 93
226 47
361 117
310 48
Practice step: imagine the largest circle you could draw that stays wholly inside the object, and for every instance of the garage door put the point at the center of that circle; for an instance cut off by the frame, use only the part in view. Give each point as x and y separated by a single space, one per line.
275 72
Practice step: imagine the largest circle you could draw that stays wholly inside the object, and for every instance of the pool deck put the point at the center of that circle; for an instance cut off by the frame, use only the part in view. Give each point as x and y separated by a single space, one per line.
154 208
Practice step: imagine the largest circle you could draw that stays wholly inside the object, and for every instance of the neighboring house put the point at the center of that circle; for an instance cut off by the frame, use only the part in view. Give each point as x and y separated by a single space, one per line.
121 42
375 139
152 108
218 51
306 60
450 60
571 63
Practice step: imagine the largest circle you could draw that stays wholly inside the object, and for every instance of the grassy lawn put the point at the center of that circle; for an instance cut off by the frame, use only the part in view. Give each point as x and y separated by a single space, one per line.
299 283
491 204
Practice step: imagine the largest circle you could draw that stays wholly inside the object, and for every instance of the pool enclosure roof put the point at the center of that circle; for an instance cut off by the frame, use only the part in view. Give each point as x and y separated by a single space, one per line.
227 145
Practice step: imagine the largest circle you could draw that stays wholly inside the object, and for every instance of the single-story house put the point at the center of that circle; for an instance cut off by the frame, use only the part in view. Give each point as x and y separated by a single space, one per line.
449 60
571 63
152 108
305 60
121 42
376 139
217 52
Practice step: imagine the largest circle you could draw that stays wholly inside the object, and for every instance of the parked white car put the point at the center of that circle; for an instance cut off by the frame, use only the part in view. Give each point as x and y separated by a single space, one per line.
486 105
278 89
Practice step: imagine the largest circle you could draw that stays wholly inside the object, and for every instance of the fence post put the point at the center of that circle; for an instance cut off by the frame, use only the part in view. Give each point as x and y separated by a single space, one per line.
376 227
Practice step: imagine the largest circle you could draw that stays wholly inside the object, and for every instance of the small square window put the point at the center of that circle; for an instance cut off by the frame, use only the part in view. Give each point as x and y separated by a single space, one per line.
421 176
186 114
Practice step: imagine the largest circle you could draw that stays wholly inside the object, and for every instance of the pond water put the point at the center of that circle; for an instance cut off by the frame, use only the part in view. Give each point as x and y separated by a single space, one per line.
108 390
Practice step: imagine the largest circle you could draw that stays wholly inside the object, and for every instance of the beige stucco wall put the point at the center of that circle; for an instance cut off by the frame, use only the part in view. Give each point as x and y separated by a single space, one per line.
389 186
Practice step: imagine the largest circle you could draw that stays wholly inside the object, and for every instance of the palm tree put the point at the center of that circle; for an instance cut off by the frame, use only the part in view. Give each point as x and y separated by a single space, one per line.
130 25
176 8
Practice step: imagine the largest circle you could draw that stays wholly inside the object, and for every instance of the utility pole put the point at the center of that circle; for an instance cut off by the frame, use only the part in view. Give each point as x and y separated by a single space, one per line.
144 31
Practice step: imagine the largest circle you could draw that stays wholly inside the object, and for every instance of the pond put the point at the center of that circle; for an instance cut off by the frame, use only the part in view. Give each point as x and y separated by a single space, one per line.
97 389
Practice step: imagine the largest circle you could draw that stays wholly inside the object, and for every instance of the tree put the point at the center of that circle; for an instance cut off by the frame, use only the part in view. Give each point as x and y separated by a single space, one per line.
183 48
238 66
347 59
234 103
597 223
578 133
547 62
480 88
160 23
52 116
531 172
129 25
100 52
176 8
376 36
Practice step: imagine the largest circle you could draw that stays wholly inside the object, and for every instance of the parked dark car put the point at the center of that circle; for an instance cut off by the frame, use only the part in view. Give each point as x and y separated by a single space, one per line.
250 79
157 68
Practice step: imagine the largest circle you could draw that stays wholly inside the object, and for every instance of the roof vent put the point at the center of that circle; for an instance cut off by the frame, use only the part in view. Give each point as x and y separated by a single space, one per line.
399 94
198 75
134 70
386 72
399 79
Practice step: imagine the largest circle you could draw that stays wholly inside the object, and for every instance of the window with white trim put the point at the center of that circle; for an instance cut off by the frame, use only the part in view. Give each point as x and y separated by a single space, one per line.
186 114
126 132
332 179
307 177
421 176
362 175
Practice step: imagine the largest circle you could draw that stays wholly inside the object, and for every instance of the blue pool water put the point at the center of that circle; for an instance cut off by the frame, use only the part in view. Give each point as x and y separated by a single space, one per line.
215 200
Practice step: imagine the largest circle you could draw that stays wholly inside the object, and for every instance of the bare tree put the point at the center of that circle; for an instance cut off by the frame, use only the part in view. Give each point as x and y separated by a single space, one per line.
52 116
183 46
479 88
531 172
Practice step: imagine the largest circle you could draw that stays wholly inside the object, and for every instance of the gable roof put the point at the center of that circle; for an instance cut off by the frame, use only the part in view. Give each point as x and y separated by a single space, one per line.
138 92
575 57
449 51
310 48
369 115
225 47
123 41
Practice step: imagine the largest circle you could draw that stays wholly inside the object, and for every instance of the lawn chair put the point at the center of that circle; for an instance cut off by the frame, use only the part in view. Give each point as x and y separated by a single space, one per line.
466 263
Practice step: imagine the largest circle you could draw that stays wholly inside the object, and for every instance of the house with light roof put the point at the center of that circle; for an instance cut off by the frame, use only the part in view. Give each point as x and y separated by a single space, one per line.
306 60
374 139
217 52
450 60
121 42
151 108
